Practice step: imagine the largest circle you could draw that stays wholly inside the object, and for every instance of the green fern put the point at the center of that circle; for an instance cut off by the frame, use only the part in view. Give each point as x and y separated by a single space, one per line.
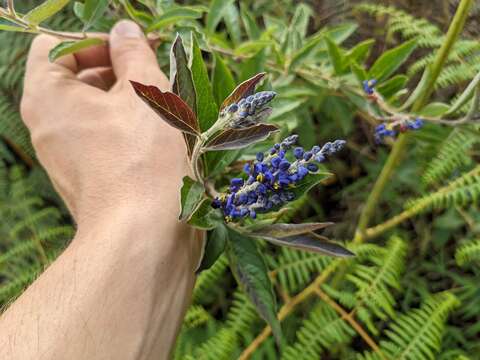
468 253
322 329
463 62
295 268
452 155
463 191
417 335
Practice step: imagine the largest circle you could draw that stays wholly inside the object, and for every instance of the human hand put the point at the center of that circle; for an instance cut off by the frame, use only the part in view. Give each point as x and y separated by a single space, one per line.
101 146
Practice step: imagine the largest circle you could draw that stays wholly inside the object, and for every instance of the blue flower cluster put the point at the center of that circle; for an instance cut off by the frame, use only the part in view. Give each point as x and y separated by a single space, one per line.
392 129
271 177
369 86
250 110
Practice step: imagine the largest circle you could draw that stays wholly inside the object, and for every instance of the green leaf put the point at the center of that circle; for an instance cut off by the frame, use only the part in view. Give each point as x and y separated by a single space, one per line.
309 182
175 15
336 57
419 89
391 60
358 71
182 83
216 241
434 109
232 22
180 74
15 28
392 86
205 216
251 27
300 19
466 95
315 42
218 160
69 47
93 11
254 65
251 272
216 12
222 79
191 195
139 16
207 109
45 10
360 52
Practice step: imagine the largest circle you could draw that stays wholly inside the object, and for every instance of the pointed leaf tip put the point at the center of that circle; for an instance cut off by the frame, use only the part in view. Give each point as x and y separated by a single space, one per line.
169 106
245 89
240 138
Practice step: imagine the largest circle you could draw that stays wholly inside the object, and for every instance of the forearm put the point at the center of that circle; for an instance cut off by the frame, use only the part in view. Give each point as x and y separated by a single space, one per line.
118 291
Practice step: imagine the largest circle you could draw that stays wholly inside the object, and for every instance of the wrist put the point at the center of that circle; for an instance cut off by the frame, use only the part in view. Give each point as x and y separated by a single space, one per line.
142 227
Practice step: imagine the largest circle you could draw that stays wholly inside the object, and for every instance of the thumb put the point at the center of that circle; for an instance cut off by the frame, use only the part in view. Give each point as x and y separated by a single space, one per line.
132 58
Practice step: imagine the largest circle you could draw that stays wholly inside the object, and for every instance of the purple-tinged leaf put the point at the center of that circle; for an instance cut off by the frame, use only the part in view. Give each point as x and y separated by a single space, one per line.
310 242
285 230
169 106
240 138
182 83
243 90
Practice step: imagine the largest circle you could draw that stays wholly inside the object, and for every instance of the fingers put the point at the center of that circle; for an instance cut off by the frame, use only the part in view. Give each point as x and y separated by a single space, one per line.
132 58
102 78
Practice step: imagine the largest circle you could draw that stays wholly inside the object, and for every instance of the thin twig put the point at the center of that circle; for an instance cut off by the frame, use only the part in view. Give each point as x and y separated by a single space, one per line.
349 317
287 308
11 7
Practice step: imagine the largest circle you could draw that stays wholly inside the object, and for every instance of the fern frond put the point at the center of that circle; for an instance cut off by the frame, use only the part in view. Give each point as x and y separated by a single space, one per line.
295 268
322 329
452 155
11 125
468 253
463 60
239 322
208 279
195 316
11 289
462 191
417 334
374 283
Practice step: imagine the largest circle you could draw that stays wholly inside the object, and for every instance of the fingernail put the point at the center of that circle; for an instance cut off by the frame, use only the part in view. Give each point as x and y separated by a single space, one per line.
128 29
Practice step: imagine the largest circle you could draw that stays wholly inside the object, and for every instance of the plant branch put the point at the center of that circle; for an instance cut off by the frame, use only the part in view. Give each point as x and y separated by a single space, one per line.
11 7
349 317
407 214
288 307
400 145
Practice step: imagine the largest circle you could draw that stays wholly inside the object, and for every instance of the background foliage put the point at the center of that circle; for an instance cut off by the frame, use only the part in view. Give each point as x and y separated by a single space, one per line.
412 290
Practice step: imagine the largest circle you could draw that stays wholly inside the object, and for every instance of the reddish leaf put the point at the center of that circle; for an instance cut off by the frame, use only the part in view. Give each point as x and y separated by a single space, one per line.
243 90
284 230
170 106
239 138
310 242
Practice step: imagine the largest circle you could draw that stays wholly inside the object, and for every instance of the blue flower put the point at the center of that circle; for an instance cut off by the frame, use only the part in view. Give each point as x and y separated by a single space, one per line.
271 177
369 86
298 152
391 129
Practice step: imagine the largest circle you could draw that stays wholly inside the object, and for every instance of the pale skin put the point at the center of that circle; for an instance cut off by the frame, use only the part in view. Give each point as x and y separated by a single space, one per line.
120 289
